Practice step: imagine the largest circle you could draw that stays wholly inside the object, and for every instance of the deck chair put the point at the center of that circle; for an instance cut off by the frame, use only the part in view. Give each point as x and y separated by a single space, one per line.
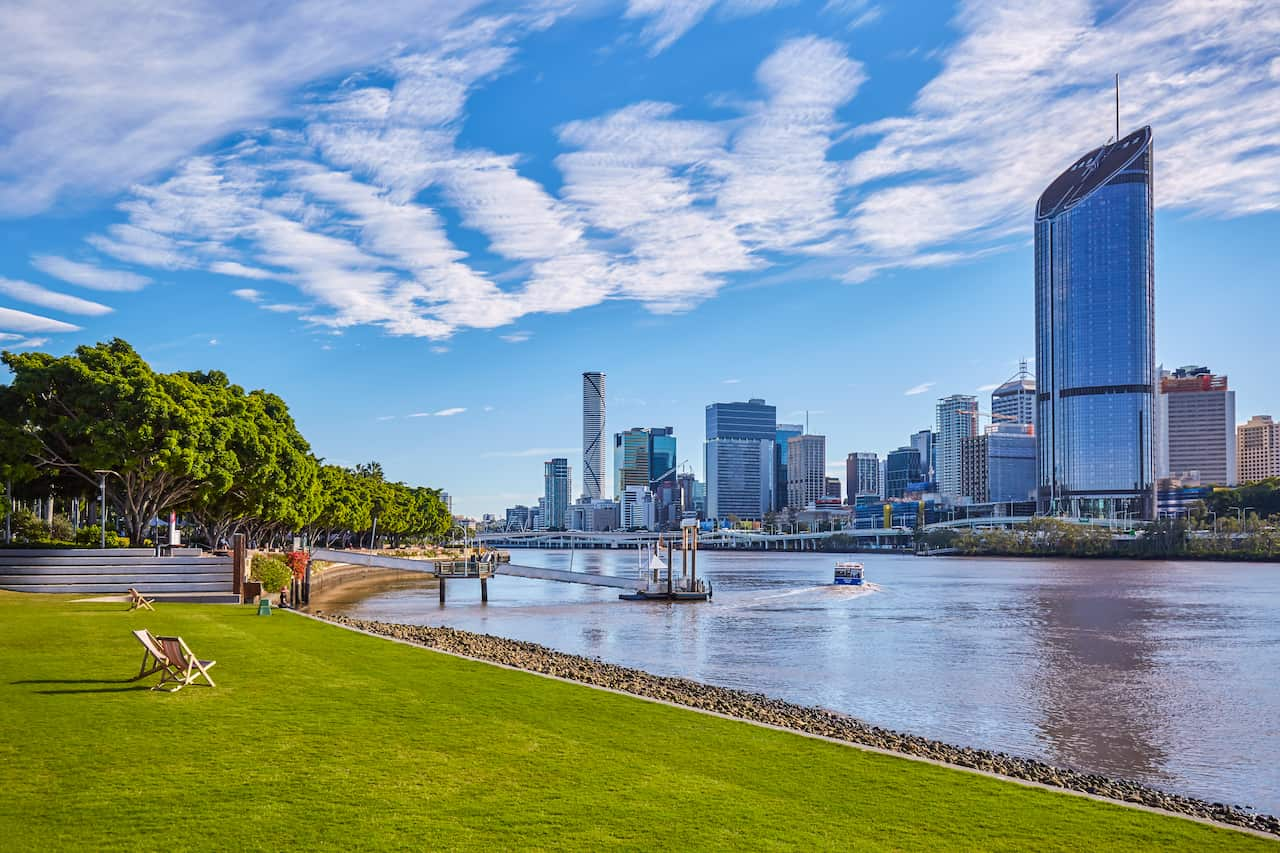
138 602
153 657
183 666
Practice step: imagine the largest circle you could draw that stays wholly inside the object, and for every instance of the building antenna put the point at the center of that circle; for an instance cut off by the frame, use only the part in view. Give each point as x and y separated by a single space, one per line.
1117 108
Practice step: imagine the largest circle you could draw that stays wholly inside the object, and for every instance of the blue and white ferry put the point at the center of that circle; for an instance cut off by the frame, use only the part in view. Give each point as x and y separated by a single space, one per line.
848 574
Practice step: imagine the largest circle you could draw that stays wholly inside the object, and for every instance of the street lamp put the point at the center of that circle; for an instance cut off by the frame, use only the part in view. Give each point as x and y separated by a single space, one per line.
102 500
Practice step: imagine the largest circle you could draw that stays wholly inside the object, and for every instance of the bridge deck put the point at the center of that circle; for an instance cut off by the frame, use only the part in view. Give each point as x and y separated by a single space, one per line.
447 571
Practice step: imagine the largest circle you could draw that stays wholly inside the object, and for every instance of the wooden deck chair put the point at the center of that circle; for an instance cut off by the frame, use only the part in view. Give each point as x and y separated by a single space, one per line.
153 656
138 602
184 667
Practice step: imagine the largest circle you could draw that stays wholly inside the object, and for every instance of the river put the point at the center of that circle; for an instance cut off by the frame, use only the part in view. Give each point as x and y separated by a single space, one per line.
1163 672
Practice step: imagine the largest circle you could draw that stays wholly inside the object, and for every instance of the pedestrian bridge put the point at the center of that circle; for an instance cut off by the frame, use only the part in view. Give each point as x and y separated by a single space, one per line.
481 569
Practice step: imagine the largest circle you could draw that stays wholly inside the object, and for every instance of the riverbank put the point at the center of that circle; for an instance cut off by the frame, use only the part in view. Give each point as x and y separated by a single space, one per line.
759 708
318 737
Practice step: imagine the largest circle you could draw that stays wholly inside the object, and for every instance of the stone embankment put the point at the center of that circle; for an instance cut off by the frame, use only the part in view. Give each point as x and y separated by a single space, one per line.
759 708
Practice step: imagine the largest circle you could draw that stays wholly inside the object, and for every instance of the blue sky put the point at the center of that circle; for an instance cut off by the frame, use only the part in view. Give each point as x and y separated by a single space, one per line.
420 224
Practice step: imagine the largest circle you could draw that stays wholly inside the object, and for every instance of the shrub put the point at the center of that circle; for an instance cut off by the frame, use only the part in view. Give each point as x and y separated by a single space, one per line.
61 529
271 572
27 527
90 536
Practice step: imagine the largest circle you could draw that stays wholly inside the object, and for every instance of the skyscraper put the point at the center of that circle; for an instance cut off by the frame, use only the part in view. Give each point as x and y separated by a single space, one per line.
593 459
924 442
862 476
631 459
780 436
901 468
557 479
1258 449
740 459
806 470
1095 334
1014 402
1197 426
957 420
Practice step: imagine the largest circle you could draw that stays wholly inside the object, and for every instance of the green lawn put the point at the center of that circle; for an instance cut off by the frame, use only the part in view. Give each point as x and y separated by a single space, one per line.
316 736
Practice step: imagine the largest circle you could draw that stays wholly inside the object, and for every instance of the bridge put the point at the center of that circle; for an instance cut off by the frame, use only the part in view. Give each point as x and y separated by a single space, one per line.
481 570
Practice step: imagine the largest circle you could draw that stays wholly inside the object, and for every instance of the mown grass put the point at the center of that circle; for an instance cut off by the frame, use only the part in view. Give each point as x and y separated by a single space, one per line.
320 737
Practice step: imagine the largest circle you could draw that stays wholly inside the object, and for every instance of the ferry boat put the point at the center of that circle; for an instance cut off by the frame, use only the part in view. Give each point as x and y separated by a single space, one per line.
657 583
848 574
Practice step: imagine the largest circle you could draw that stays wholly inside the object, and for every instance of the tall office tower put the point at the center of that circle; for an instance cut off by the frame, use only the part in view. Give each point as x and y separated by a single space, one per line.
1258 449
806 470
901 468
518 518
740 459
862 477
557 478
999 465
630 460
783 432
593 459
637 508
447 500
662 477
1095 335
1014 402
957 420
1197 426
924 443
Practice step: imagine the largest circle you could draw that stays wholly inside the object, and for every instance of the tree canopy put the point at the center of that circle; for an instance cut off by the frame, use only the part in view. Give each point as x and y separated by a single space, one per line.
191 442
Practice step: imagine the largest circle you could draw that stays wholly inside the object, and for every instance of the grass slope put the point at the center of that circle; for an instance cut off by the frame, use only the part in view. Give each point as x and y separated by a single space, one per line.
316 736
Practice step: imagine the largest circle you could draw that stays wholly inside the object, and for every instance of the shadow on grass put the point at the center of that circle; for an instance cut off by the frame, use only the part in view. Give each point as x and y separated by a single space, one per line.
123 685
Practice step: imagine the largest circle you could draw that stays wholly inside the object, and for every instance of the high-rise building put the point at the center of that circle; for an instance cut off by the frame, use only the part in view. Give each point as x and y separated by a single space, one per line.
862 476
518 518
1014 402
806 470
1258 449
957 420
1095 335
447 500
631 451
901 468
924 443
594 515
783 432
637 508
998 465
740 460
593 448
1197 426
557 479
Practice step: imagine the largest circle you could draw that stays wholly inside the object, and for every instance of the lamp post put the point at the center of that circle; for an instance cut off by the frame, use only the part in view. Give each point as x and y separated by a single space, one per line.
102 501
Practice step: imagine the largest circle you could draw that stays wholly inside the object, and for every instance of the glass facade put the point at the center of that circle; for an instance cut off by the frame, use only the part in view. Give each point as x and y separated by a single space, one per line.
901 469
740 461
753 419
1095 341
783 432
557 481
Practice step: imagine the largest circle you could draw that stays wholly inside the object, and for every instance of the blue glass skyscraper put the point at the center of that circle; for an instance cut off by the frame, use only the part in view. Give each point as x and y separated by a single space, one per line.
1095 334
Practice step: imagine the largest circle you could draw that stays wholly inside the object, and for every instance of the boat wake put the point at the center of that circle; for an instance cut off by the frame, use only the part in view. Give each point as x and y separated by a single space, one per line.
809 595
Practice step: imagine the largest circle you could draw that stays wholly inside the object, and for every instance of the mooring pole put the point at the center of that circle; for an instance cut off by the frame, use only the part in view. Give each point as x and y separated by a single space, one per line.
484 589
442 589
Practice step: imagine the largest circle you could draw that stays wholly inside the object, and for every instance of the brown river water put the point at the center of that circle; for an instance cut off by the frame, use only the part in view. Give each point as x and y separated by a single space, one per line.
1163 672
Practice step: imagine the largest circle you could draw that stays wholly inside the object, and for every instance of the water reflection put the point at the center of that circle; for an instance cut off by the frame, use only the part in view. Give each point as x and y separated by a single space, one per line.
1162 672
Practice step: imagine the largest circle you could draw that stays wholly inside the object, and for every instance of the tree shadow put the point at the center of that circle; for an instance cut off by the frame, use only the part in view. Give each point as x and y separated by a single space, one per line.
94 690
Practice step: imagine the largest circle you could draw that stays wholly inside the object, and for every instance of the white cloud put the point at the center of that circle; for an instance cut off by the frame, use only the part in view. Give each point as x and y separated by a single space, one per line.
98 97
239 270
439 350
283 308
918 389
386 417
516 337
34 294
213 342
248 294
731 381
448 413
671 19
20 321
88 275
419 415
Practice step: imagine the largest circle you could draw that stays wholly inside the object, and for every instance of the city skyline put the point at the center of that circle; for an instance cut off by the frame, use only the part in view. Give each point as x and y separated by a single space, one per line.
838 175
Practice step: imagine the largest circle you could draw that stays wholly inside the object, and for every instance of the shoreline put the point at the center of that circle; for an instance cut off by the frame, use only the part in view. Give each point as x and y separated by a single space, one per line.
762 709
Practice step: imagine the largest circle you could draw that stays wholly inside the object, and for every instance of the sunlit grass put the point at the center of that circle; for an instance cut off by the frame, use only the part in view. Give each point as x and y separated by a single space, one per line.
317 736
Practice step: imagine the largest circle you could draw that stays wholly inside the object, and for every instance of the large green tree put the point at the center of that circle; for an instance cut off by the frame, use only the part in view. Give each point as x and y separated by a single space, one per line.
104 408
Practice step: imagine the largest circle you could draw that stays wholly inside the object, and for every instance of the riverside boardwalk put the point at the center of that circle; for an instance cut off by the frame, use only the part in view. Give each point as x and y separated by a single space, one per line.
317 736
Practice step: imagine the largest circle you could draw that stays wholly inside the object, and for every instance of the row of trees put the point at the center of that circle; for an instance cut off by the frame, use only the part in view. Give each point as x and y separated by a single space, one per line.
228 460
